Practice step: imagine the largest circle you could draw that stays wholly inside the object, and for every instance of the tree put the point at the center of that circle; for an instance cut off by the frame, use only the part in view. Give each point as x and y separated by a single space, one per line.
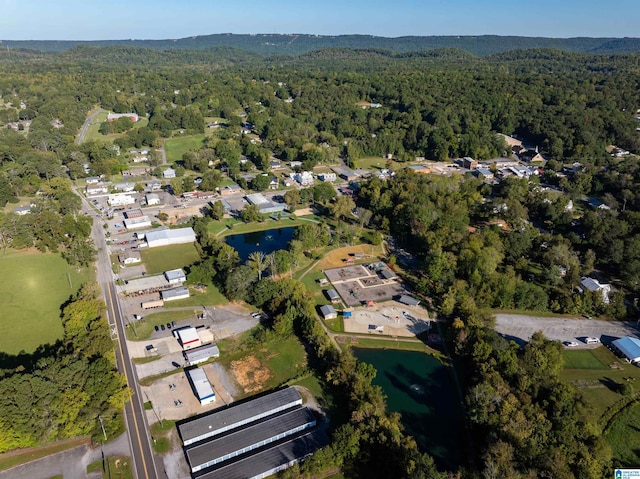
260 182
251 213
258 262
342 207
217 210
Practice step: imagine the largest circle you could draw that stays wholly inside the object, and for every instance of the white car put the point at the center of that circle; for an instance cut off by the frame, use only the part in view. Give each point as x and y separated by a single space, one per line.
571 344
591 340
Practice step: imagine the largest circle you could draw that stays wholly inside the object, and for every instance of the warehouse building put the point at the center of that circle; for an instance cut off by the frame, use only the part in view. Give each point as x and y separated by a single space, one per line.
202 354
173 294
189 338
175 276
201 386
170 237
135 223
271 460
264 205
629 347
238 415
248 438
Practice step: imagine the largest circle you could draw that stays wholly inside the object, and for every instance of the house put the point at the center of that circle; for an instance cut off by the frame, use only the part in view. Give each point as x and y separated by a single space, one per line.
175 276
275 164
305 178
531 155
629 347
274 183
152 199
333 295
597 204
100 189
328 312
116 116
295 164
154 185
124 187
22 210
169 173
594 285
130 257
469 163
327 177
92 180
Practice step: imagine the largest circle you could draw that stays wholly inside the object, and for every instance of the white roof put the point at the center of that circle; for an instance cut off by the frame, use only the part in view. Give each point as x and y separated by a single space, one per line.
201 383
169 234
188 335
629 346
257 199
203 353
174 274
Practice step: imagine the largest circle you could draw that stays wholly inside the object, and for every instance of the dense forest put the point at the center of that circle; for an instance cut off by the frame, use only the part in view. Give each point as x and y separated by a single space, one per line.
521 243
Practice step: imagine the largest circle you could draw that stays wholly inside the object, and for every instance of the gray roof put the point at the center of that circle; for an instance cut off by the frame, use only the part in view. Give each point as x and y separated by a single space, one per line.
629 346
174 292
388 274
174 274
202 354
327 309
271 459
237 415
591 284
332 294
249 438
408 300
180 233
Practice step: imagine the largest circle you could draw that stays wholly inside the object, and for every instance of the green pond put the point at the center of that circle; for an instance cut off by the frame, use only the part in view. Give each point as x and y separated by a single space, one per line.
421 389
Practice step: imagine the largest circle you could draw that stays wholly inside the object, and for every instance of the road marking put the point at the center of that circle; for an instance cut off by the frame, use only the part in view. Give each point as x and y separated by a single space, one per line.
126 377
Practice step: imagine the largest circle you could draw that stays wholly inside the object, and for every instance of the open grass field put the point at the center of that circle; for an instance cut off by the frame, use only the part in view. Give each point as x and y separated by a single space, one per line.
376 162
34 286
176 147
592 373
113 467
624 436
164 258
231 226
144 328
210 297
94 134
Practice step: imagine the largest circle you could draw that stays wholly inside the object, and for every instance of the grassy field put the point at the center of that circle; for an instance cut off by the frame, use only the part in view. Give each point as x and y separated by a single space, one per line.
34 286
176 147
210 297
114 467
624 436
164 258
231 226
591 372
94 134
376 162
371 343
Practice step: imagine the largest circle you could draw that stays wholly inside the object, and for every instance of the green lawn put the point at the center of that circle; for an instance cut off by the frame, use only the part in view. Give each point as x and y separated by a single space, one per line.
164 258
624 436
114 467
210 297
34 286
176 147
94 134
373 343
376 162
590 371
221 228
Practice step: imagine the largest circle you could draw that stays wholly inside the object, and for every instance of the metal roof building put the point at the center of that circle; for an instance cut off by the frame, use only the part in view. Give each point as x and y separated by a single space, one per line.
172 294
249 438
189 338
169 237
200 355
175 276
133 223
630 347
333 295
238 415
408 300
328 311
272 460
201 385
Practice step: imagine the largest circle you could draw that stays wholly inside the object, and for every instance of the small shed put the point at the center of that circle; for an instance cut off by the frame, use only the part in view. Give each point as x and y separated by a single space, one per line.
333 295
408 300
328 312
130 257
629 347
175 276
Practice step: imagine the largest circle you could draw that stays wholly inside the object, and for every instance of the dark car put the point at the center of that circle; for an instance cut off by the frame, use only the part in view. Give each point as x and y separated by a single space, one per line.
156 328
168 325
175 365
162 327
174 324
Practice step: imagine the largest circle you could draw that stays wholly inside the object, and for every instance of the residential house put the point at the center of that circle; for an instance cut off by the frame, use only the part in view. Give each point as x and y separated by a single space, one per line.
305 178
594 285
152 199
100 189
327 177
169 173
130 257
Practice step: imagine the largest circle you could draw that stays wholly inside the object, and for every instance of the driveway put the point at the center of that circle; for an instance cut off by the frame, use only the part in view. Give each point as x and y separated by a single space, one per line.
520 328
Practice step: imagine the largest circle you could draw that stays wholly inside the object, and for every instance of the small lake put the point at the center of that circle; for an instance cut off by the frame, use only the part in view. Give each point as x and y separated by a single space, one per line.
421 389
266 241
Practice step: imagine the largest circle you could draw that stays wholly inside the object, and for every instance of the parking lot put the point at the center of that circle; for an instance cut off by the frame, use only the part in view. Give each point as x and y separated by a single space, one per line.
520 328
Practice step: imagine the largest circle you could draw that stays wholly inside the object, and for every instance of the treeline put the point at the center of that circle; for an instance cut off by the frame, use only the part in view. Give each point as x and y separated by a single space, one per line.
367 441
63 390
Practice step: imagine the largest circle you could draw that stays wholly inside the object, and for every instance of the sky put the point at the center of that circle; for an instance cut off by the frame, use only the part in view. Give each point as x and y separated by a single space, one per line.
162 19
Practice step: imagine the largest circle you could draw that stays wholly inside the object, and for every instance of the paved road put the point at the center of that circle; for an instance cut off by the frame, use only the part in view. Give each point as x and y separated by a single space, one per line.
520 328
85 127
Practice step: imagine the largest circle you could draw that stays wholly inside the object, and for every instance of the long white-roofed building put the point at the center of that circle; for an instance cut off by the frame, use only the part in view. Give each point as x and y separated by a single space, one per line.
170 237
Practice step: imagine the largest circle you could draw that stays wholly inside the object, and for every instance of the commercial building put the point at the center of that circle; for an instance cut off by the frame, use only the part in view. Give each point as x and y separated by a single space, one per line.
327 177
272 460
170 237
174 294
201 354
136 223
152 199
115 116
201 386
629 347
189 338
265 205
238 415
120 199
249 438
130 257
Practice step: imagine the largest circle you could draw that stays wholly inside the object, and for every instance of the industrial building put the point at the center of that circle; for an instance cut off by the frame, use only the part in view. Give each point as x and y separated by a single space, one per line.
238 415
271 460
201 386
248 438
189 338
181 292
175 276
170 237
629 347
135 223
201 354
265 205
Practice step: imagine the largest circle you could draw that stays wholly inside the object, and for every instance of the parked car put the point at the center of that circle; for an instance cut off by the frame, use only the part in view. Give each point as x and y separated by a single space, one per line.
591 340
162 327
168 325
174 324
255 315
571 344
156 328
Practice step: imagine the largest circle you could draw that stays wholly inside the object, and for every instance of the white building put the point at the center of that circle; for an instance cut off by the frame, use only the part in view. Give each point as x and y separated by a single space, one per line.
327 177
170 237
130 257
305 178
202 354
594 285
124 187
100 189
120 199
202 386
169 173
136 223
152 199
189 338
174 294
175 276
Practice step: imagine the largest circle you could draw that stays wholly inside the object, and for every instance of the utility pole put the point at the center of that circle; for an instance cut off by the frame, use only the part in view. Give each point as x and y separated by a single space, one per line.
102 427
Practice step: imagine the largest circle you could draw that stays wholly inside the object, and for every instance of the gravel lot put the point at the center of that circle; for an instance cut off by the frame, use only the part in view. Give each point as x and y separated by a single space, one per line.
520 328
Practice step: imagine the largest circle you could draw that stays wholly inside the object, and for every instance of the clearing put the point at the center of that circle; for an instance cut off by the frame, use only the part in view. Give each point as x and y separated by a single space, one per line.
34 286
176 147
164 258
